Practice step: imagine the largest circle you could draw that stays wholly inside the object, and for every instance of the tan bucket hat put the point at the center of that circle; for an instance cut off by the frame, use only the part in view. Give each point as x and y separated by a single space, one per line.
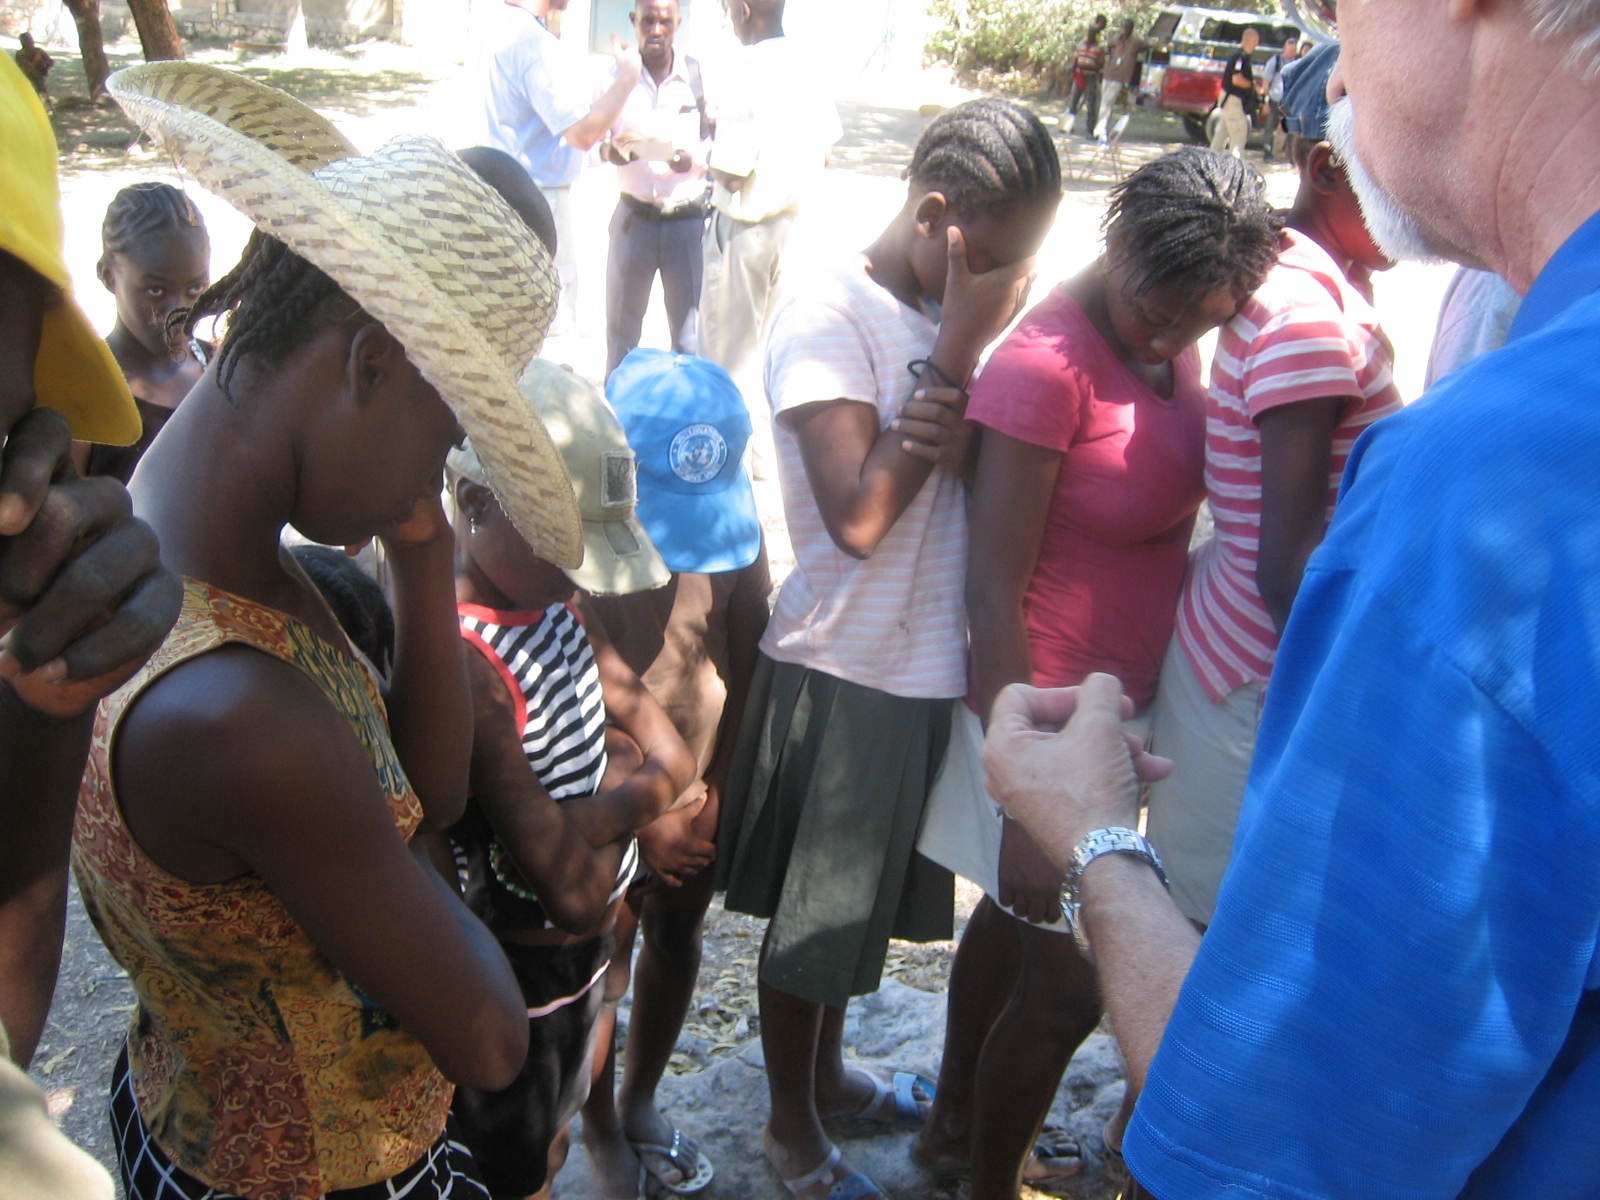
412 235
619 556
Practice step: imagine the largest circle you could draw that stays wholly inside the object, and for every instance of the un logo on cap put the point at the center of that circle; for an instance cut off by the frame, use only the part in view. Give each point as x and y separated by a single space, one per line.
697 453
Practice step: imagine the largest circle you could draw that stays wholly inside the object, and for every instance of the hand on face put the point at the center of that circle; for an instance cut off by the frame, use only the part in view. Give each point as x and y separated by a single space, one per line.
84 599
1060 763
426 524
977 308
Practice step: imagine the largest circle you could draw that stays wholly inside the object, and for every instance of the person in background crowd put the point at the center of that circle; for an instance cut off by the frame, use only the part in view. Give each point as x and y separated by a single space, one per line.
1298 375
660 142
36 64
1122 68
1475 316
261 780
1239 97
86 601
1087 67
570 753
1406 938
694 643
539 107
866 650
1090 470
775 123
1272 85
156 261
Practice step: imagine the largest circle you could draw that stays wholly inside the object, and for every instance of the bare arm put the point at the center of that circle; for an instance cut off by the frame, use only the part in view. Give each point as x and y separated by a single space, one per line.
272 780
662 783
41 762
590 129
863 478
1010 505
430 709
1296 454
84 600
572 879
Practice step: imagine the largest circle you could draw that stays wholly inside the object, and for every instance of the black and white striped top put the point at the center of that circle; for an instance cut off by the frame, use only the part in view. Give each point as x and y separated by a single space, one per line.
549 664
549 668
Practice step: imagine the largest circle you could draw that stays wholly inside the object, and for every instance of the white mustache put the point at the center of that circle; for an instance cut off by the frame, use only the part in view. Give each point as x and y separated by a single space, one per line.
1395 230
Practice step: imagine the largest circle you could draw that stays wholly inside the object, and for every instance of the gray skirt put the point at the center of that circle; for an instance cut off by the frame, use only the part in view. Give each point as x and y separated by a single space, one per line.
819 828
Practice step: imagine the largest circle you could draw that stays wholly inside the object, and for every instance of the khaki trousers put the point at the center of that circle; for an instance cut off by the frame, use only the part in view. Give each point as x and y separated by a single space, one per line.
739 292
1193 811
1233 131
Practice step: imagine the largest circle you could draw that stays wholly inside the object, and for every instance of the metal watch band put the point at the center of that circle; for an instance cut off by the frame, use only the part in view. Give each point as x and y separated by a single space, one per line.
1114 840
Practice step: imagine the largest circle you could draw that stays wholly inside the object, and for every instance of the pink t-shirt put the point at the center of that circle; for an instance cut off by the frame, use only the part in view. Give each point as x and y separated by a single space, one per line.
1306 334
896 621
1110 569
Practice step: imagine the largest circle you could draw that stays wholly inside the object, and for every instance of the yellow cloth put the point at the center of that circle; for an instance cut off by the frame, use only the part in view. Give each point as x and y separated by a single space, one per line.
36 1161
74 373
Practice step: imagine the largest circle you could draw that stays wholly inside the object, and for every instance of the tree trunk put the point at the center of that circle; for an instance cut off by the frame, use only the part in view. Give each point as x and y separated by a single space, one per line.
294 37
91 44
158 35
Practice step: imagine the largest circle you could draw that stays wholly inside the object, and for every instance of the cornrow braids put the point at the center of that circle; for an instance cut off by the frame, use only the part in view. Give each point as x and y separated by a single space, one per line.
987 154
1193 218
143 209
272 298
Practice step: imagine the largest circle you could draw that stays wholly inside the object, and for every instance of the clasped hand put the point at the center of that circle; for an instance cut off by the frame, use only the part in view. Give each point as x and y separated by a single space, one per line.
1059 761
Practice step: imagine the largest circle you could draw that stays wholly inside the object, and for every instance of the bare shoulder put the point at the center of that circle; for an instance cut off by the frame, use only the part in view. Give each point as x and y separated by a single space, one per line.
229 747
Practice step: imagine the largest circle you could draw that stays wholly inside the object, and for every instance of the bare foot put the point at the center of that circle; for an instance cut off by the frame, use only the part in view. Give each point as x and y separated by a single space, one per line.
824 1175
866 1096
681 1161
615 1164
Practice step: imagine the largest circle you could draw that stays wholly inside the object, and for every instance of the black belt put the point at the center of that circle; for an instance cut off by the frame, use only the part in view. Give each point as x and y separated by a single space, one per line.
694 210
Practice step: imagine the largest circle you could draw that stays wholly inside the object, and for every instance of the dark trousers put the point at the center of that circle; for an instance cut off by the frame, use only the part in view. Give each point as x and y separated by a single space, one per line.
640 247
1090 91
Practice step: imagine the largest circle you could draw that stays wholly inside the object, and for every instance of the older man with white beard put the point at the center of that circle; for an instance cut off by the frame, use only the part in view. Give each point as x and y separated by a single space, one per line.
1400 993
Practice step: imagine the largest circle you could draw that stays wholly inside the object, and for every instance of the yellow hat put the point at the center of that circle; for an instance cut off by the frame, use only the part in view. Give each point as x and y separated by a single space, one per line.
74 373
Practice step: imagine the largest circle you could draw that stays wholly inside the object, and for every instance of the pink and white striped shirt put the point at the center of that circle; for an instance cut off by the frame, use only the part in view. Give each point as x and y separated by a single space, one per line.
1306 334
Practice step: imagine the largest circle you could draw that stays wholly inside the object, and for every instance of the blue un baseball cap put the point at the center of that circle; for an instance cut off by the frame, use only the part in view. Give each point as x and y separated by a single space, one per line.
688 425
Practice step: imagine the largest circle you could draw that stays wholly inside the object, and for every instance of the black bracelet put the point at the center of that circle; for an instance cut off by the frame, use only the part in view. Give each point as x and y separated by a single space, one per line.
942 375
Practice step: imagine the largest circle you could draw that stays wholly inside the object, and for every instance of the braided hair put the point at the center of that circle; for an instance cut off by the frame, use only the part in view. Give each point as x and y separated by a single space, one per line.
985 155
143 209
1193 218
356 599
273 299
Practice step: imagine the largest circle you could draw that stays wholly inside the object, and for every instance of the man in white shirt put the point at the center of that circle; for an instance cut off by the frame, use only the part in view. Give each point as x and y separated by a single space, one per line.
774 126
659 143
1272 79
539 107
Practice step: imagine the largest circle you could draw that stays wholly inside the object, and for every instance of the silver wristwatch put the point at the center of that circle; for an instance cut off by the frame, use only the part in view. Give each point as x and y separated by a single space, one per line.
1116 840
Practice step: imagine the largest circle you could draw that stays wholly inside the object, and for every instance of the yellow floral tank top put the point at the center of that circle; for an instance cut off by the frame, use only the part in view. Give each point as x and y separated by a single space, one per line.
257 1066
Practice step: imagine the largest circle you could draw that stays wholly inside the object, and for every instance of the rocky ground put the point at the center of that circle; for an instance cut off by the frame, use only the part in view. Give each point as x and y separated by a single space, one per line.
716 1090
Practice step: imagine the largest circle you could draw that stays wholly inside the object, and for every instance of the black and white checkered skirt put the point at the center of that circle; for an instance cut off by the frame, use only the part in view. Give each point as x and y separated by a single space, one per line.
445 1172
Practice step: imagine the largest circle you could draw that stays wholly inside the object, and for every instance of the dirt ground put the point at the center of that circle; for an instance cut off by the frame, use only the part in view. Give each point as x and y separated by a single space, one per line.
380 90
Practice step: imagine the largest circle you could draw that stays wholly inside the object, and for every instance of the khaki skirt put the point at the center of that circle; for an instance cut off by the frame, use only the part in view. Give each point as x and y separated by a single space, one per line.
819 828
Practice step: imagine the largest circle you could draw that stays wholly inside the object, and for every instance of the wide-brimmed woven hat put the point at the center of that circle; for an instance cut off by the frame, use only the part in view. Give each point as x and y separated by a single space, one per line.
412 235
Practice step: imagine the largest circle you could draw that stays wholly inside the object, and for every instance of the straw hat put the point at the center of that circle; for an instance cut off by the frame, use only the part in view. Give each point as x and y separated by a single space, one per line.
412 235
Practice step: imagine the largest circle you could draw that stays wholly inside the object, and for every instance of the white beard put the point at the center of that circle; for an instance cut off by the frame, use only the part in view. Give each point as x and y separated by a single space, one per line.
1394 229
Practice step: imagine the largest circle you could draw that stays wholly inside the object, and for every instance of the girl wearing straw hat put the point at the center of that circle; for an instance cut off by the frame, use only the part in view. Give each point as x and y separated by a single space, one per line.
257 854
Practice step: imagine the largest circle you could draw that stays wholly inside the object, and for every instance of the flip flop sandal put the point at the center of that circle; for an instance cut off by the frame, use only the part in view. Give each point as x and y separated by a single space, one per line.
692 1182
907 1105
1053 1145
854 1186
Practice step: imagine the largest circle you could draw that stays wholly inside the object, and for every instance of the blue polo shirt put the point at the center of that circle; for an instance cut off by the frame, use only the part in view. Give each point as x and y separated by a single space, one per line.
534 88
1396 999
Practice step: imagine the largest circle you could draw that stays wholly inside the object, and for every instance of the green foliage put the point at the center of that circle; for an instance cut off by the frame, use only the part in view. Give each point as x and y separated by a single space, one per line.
1035 37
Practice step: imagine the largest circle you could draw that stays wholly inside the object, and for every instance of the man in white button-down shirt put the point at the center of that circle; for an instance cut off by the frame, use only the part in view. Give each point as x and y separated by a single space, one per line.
775 122
660 142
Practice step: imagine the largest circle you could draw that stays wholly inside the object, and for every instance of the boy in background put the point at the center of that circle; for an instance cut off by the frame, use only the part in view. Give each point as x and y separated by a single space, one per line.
693 643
